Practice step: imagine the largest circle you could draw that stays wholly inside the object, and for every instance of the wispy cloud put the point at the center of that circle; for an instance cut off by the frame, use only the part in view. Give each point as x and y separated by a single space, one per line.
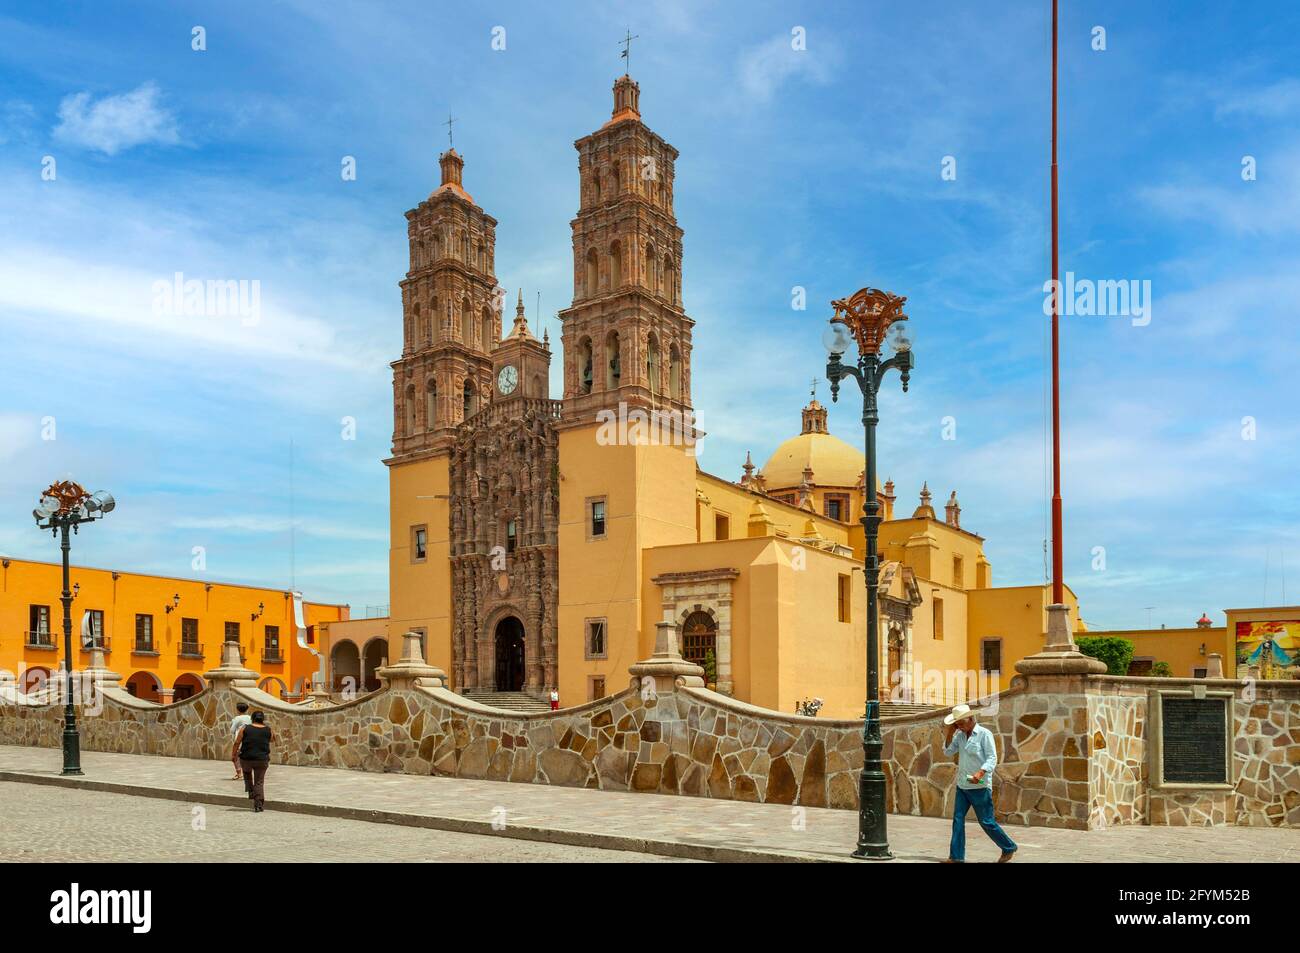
763 69
114 123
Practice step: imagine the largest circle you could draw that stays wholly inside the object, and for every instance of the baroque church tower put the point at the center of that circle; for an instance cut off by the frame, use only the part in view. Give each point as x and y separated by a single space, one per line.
626 337
451 309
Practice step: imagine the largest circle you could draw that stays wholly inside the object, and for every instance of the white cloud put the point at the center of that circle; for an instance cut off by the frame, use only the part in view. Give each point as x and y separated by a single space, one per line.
767 66
114 123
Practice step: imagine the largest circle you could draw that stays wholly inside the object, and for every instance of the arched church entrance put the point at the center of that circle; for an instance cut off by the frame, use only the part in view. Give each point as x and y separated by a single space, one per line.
510 655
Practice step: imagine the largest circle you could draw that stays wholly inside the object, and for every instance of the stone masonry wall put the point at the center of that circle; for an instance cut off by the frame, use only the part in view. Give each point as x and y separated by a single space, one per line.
1065 759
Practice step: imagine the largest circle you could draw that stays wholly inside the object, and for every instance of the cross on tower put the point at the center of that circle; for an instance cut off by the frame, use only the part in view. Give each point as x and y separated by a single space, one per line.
814 388
448 123
627 50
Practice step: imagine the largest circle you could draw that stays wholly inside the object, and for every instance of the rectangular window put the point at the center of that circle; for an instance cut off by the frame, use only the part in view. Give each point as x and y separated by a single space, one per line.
938 618
419 544
38 625
595 641
957 574
189 631
721 527
512 534
96 627
596 526
595 687
232 631
272 640
845 597
836 507
991 655
143 633
1198 673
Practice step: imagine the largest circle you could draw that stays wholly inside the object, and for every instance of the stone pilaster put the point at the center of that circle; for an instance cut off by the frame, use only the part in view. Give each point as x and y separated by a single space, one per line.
1060 660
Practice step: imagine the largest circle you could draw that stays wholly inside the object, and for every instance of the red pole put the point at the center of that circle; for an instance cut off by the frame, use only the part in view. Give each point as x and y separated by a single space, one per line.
1058 584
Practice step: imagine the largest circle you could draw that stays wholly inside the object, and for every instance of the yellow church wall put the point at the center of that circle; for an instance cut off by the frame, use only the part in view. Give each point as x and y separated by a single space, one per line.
25 583
1017 615
787 644
737 503
1186 650
938 657
420 592
934 559
649 501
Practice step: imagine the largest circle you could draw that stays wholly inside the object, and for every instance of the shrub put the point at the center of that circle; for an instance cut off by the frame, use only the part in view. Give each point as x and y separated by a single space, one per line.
710 667
1115 652
1162 670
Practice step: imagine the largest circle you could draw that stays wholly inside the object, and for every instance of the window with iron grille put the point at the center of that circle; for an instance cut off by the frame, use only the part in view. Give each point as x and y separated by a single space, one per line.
699 637
272 640
189 634
38 624
232 631
96 627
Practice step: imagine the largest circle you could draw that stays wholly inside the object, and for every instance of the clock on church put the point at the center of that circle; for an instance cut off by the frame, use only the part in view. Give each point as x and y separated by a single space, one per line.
507 379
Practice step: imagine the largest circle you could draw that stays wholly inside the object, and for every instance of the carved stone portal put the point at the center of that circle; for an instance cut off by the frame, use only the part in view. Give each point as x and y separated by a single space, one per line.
504 549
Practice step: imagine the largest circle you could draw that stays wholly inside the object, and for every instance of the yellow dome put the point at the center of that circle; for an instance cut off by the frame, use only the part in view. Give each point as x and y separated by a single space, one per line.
833 462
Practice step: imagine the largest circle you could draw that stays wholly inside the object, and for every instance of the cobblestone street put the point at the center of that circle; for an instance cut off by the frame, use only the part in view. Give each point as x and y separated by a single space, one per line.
326 814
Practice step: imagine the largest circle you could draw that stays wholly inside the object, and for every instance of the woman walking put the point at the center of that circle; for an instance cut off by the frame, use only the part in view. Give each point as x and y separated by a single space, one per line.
253 751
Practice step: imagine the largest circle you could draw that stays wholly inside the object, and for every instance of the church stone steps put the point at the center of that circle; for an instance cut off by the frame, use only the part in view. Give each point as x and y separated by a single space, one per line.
510 701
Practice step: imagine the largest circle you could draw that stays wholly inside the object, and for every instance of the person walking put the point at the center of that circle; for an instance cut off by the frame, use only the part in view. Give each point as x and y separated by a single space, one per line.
241 719
977 756
253 750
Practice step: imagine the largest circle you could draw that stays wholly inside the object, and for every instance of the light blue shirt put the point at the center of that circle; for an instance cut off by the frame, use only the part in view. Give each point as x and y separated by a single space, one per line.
975 752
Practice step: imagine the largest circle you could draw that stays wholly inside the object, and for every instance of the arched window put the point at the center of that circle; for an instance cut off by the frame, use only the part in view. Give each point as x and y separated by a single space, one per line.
652 364
675 373
700 639
466 322
584 366
435 320
669 289
613 362
593 273
618 178
409 409
595 187
615 266
464 248
651 266
431 404
417 326
437 247
487 329
469 401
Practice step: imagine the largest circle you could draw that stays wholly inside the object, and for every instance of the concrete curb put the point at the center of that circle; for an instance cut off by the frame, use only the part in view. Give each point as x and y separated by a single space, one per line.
570 838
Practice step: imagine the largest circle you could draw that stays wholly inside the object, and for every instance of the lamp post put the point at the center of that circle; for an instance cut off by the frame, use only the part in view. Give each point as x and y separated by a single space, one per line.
63 508
865 318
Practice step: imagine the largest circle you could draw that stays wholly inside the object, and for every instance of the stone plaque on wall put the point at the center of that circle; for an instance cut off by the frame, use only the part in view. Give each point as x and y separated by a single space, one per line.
1193 732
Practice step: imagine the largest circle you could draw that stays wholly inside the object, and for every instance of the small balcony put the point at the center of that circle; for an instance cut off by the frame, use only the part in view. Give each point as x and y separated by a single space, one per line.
40 640
272 654
143 647
190 650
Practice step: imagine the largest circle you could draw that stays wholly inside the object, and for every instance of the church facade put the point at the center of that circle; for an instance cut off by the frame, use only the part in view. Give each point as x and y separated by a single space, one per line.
536 542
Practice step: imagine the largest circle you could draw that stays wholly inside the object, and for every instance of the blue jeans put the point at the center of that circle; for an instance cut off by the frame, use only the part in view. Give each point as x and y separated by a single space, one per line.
982 800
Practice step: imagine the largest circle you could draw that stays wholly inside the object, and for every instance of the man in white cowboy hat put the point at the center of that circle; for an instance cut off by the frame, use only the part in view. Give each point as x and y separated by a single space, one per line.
977 755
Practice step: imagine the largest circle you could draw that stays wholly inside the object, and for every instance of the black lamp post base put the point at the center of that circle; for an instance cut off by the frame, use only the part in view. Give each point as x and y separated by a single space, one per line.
873 852
71 771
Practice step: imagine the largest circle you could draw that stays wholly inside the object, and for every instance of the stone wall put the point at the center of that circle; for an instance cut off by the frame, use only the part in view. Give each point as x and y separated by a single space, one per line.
1071 752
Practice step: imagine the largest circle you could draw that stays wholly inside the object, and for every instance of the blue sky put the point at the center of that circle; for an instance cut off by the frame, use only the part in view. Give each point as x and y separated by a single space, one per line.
817 168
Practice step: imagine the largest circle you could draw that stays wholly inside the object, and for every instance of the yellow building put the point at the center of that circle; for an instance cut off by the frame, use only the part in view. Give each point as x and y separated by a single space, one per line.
536 543
159 633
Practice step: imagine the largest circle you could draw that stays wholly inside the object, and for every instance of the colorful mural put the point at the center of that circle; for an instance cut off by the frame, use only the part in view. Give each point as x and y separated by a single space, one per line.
1273 646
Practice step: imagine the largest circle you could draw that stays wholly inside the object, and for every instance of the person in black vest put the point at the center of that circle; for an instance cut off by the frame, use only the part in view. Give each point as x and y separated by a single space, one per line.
253 749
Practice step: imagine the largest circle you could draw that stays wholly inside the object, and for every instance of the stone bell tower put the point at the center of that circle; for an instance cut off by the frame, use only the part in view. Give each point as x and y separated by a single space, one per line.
451 316
626 337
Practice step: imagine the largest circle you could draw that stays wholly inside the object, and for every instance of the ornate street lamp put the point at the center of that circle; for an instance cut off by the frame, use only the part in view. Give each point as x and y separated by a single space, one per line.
63 508
866 318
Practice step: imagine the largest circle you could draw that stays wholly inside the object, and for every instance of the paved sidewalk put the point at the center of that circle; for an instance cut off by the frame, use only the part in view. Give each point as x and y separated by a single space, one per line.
693 828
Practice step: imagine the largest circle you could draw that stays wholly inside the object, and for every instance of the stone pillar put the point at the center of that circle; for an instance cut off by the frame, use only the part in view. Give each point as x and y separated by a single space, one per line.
724 682
231 672
411 669
166 695
1214 666
666 666
1060 656
98 672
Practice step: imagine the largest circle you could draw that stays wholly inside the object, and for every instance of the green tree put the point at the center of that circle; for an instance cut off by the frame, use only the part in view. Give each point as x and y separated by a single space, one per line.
710 666
1162 670
1115 652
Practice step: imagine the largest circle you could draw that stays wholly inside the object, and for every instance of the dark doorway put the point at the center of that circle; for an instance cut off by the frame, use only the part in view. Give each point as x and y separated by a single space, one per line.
510 655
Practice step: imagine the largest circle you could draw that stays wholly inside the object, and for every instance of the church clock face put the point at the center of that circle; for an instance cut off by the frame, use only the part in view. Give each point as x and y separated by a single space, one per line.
507 379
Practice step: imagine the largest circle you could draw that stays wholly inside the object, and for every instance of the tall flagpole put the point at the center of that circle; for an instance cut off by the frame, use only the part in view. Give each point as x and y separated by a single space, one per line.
1058 583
